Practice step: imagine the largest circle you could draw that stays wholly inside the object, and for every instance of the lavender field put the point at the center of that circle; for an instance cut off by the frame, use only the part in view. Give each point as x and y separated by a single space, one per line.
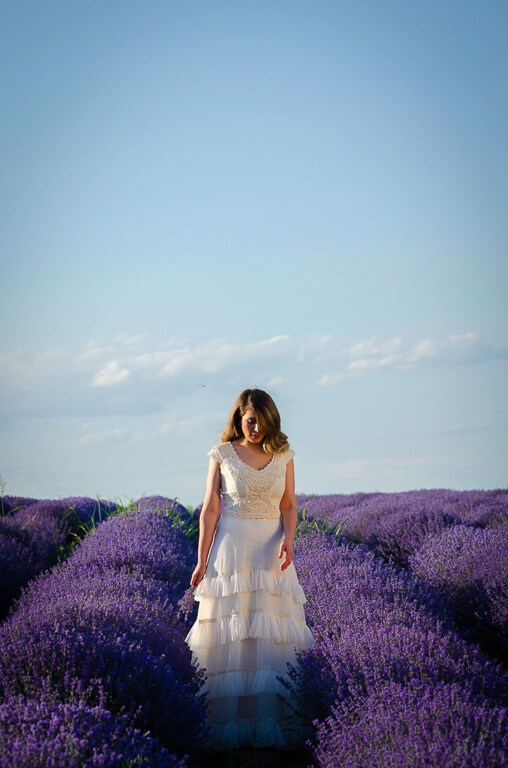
407 596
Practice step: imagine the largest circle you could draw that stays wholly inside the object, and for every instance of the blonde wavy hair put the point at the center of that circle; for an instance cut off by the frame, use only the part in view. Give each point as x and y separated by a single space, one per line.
273 439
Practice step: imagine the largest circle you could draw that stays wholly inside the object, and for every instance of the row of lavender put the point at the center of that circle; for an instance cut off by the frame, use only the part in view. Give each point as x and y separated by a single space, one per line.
388 683
381 652
35 532
94 670
455 542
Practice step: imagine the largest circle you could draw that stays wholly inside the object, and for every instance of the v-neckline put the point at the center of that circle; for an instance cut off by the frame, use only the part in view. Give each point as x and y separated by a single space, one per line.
255 469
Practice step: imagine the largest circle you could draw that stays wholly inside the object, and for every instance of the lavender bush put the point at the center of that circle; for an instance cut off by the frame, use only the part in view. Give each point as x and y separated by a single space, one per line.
144 542
161 504
397 526
394 525
415 726
376 626
471 566
490 511
104 629
95 648
73 509
13 503
41 732
34 537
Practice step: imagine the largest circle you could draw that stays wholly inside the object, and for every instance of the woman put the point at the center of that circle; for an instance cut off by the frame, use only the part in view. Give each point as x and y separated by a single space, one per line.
250 618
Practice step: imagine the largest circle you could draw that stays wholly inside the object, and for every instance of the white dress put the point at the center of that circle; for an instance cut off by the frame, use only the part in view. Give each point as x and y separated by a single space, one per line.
250 617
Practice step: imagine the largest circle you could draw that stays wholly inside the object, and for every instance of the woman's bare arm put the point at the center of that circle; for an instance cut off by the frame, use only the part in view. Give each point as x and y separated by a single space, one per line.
288 505
210 511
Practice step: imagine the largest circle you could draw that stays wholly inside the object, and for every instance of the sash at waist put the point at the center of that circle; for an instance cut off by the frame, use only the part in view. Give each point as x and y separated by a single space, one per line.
251 508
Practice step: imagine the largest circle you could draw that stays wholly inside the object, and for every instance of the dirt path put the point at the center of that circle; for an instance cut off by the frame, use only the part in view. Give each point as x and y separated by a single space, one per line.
253 758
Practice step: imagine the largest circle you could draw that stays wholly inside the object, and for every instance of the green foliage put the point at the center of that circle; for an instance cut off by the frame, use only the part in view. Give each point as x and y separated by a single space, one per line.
184 520
190 524
80 529
305 524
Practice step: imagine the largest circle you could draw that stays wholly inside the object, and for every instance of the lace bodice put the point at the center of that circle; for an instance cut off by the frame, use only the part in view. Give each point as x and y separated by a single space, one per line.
248 492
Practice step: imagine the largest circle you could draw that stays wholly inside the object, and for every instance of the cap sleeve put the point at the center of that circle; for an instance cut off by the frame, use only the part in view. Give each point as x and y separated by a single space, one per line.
216 453
288 455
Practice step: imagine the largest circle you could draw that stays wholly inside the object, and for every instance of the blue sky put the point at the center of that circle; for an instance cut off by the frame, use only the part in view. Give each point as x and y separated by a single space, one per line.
199 197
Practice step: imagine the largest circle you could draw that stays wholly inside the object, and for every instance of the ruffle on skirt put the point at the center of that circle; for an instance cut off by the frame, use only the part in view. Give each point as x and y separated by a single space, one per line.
249 627
250 580
238 626
251 654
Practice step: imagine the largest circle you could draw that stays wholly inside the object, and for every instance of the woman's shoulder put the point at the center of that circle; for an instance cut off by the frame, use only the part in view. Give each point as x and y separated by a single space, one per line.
287 453
217 452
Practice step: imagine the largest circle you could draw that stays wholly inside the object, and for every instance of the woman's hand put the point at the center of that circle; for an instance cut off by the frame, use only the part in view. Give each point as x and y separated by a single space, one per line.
197 574
286 547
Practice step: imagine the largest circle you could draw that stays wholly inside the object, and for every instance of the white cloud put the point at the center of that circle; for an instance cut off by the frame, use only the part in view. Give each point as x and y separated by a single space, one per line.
112 373
330 379
17 367
170 425
177 426
372 469
91 352
365 363
314 348
455 349
186 364
128 341
211 356
424 349
372 347
459 429
277 381
107 435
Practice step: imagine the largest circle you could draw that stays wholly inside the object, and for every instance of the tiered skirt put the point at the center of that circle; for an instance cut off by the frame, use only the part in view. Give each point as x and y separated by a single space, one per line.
250 624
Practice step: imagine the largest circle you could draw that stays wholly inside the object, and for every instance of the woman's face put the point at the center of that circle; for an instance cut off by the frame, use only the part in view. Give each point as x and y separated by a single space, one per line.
250 426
